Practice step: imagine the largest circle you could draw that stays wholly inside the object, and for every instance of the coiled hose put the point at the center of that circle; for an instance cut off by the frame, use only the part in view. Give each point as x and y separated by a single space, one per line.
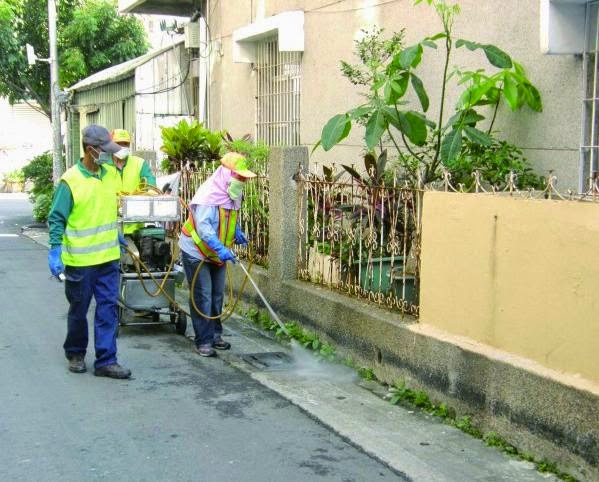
227 311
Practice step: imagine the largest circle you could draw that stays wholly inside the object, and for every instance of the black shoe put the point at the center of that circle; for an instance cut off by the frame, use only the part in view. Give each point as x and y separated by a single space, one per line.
113 371
77 363
205 350
220 344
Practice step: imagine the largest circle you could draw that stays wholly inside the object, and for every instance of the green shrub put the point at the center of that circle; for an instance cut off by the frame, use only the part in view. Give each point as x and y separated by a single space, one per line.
189 143
41 207
15 176
39 172
257 153
494 162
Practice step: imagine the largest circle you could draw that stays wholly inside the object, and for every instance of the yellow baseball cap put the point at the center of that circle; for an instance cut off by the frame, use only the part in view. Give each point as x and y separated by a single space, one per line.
237 163
121 135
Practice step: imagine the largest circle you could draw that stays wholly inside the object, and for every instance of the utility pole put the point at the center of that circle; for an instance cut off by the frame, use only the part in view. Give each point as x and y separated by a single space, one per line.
54 94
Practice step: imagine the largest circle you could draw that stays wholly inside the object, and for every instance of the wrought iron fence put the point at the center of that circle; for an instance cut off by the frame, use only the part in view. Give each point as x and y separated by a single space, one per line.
253 213
549 190
361 238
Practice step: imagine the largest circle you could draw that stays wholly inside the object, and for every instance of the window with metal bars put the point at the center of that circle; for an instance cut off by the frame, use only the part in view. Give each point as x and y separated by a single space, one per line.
278 83
589 151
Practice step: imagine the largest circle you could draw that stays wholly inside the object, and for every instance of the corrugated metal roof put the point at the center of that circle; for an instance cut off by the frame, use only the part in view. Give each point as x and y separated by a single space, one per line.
120 71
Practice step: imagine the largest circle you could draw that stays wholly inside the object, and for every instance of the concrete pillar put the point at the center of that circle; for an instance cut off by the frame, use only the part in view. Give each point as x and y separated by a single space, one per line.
283 211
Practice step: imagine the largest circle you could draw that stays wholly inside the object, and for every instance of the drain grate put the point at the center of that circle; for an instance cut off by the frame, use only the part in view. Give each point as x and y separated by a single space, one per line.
272 360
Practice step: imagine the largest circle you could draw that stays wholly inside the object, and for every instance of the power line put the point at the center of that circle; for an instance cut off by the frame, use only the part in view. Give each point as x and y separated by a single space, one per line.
135 94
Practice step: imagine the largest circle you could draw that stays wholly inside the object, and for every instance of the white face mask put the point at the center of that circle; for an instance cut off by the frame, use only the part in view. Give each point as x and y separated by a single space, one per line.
123 153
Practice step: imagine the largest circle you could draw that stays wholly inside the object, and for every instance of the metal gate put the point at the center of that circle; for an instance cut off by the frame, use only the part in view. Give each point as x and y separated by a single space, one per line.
278 95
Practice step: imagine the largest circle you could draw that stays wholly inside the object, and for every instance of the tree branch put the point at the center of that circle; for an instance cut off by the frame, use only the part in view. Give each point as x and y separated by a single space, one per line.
25 93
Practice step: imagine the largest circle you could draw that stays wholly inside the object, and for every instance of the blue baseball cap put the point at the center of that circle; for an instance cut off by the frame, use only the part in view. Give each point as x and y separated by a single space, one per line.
98 136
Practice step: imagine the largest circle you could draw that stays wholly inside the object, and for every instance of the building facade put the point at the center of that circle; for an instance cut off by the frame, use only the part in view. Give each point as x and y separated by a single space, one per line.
140 95
274 69
25 133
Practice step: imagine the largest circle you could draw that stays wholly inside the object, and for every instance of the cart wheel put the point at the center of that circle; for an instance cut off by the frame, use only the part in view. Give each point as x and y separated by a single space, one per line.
181 326
156 317
173 315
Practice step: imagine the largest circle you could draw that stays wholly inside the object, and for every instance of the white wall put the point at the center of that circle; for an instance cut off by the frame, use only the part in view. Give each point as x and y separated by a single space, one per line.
24 133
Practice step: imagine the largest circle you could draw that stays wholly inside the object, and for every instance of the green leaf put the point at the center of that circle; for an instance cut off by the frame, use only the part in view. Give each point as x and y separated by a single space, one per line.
381 163
451 145
359 112
510 91
533 98
411 56
353 173
414 127
438 36
473 94
376 126
370 163
464 117
495 55
400 83
420 91
519 70
335 130
478 136
469 45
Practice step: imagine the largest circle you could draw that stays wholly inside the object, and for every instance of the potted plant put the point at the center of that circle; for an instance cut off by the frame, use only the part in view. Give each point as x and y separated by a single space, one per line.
189 144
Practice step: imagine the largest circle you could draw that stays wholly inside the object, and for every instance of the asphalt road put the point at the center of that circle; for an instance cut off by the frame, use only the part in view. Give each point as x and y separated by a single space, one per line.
182 417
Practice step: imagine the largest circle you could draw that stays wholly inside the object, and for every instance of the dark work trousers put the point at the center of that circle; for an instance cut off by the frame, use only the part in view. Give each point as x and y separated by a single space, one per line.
101 282
208 294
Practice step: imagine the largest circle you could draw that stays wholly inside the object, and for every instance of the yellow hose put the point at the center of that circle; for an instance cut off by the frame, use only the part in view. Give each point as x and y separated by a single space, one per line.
227 311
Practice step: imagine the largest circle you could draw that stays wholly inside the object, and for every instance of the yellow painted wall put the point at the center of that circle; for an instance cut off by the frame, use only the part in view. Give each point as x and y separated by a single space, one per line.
520 275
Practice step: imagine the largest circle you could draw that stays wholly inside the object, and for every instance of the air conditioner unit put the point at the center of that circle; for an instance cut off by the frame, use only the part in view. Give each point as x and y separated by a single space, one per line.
192 35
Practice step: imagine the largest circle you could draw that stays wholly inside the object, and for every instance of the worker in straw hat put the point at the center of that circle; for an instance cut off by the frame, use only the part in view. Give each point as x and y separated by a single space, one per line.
206 240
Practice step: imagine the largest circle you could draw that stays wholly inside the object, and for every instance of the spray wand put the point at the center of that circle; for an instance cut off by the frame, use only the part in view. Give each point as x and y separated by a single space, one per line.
263 298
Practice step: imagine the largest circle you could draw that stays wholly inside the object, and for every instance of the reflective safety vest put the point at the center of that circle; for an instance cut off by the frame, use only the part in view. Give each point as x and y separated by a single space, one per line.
129 180
227 221
90 237
130 177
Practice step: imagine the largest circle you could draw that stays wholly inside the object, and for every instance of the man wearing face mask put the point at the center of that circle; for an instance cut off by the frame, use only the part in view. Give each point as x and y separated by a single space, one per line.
208 234
132 171
85 249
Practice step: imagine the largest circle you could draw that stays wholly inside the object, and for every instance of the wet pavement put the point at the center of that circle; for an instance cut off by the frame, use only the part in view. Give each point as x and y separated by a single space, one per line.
181 418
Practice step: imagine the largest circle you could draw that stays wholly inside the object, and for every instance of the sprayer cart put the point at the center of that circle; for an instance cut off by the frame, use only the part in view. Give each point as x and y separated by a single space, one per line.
147 284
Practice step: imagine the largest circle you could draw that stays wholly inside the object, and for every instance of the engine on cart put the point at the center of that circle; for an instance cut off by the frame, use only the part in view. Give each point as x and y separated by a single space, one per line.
152 248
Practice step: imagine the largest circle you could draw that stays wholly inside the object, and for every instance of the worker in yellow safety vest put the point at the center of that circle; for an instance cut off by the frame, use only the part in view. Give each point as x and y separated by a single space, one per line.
133 171
85 252
206 240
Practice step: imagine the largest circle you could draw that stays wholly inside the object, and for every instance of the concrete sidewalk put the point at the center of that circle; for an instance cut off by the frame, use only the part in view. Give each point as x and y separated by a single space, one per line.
416 445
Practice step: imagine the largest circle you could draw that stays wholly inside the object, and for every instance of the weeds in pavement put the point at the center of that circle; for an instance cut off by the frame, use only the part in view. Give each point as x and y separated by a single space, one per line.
399 393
